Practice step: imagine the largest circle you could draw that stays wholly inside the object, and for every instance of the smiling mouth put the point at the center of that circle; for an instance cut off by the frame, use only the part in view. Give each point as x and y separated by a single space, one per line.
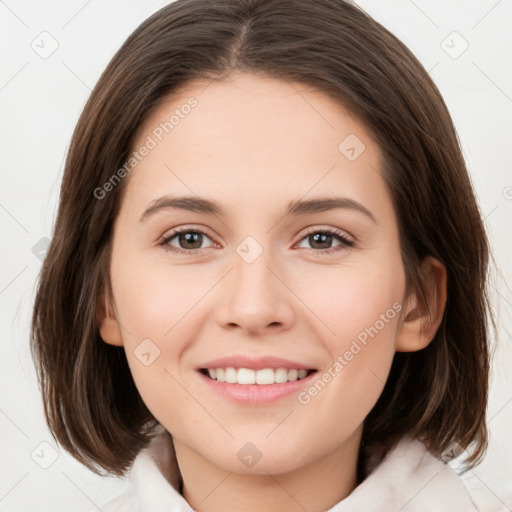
263 377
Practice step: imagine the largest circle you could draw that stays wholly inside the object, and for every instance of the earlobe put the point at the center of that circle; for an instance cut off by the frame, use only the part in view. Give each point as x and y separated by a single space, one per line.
110 331
421 321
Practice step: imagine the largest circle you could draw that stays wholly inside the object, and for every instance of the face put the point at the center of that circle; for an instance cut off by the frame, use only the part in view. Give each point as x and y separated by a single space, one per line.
275 279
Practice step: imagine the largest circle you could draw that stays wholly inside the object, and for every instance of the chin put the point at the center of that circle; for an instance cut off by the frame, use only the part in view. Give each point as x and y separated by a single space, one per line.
259 457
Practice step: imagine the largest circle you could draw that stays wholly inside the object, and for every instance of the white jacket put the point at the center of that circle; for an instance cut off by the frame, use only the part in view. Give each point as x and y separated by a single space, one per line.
410 479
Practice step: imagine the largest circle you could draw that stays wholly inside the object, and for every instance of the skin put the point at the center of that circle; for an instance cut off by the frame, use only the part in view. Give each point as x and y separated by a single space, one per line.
254 144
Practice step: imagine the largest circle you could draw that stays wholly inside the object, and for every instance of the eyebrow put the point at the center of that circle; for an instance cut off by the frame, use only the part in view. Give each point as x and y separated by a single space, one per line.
210 207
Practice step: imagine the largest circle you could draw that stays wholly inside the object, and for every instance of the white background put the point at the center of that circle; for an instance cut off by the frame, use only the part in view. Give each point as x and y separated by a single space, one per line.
40 101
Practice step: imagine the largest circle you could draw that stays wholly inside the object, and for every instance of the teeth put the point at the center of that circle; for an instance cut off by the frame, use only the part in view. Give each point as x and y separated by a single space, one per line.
263 377
293 375
266 376
281 375
246 376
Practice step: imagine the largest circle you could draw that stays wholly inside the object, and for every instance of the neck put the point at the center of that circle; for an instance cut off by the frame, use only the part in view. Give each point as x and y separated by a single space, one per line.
315 487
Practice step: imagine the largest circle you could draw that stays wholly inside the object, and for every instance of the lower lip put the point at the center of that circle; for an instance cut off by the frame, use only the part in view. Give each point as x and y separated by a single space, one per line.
256 394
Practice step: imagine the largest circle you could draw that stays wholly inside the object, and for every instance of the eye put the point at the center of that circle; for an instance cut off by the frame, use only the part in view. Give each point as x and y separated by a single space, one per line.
321 241
190 240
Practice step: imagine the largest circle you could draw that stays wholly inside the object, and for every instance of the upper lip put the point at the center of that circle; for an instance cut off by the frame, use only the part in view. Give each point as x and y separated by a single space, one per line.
254 363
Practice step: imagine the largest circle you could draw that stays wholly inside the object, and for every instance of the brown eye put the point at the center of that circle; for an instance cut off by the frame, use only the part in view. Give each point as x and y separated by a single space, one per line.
185 241
321 241
190 240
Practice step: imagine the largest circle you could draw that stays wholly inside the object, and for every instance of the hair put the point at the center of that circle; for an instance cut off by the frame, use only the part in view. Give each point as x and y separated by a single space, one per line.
438 394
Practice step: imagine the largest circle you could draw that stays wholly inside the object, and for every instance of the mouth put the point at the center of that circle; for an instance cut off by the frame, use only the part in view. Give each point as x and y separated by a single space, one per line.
252 387
260 377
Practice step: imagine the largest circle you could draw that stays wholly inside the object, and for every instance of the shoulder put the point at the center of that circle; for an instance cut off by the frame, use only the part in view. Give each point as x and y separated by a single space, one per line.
422 481
153 483
125 502
410 479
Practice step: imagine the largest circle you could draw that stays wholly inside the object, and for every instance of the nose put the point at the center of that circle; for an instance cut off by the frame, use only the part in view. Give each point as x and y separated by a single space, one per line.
255 298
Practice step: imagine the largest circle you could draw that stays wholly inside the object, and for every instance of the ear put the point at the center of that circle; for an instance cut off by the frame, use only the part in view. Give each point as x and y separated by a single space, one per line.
422 317
110 331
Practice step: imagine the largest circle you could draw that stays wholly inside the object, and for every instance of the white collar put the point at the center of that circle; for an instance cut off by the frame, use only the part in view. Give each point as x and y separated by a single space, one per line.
410 479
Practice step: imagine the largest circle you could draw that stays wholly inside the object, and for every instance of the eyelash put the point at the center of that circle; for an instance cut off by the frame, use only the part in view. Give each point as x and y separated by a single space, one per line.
345 242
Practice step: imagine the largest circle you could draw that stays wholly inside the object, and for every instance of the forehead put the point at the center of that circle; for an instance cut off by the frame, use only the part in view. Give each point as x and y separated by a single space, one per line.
253 110
250 138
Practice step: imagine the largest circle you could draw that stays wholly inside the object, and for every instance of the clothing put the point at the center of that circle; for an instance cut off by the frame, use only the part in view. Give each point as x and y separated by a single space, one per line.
409 479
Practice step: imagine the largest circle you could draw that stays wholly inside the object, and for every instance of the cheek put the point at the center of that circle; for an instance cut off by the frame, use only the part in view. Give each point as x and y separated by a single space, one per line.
153 301
347 390
351 299
361 309
156 316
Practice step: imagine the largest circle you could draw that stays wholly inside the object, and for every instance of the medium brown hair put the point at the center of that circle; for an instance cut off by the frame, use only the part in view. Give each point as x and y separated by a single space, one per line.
438 394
